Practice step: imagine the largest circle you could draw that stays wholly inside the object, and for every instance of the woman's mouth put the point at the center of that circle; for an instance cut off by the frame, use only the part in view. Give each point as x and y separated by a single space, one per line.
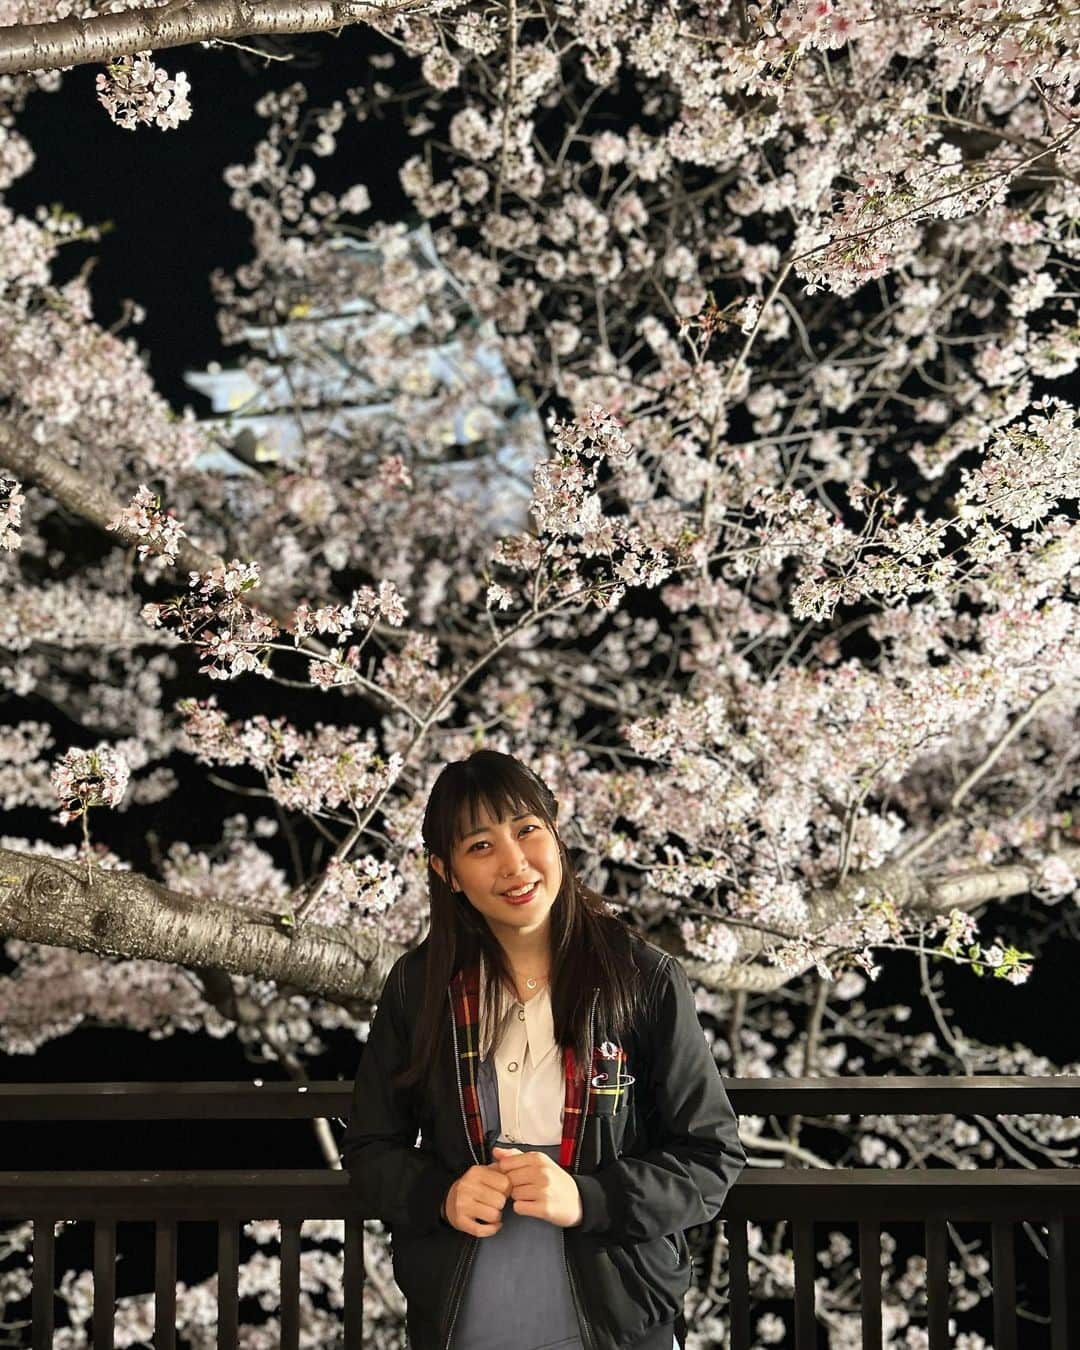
522 899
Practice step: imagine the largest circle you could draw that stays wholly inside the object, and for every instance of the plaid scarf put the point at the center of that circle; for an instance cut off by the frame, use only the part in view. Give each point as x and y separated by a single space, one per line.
607 1085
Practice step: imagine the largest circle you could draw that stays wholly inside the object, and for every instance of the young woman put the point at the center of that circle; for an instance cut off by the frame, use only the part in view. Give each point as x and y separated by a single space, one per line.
571 1118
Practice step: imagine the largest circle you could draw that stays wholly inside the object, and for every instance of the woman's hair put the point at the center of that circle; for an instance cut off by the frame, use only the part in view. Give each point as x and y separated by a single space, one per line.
590 947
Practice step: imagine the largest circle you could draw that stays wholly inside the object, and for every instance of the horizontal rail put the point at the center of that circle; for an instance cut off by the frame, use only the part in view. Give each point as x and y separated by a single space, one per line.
879 1193
260 1100
782 1193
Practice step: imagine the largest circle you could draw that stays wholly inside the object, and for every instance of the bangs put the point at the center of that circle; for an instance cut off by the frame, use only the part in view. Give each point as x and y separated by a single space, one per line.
502 799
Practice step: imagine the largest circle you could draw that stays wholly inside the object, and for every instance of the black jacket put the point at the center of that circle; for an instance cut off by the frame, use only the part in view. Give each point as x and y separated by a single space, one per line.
662 1162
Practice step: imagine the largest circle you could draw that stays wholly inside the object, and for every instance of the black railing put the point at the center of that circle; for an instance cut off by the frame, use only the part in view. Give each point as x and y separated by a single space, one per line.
865 1196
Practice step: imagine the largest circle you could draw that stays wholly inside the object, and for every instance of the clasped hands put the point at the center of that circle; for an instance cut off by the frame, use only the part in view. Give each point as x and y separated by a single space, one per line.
534 1184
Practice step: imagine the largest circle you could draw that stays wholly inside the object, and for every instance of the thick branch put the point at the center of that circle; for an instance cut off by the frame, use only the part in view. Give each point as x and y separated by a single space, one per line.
129 916
78 42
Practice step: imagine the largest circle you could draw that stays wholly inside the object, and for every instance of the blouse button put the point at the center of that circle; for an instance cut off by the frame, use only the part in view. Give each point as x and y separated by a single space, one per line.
512 1066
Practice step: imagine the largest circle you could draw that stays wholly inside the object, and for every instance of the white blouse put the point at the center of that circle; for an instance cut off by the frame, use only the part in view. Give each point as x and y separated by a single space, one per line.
529 1068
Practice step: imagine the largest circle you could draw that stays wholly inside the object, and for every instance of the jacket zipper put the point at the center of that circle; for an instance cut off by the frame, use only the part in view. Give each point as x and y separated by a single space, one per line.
583 1326
674 1248
460 1278
457 1286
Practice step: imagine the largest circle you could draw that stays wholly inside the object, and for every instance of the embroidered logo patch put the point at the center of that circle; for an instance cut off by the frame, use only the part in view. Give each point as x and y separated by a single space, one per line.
609 1080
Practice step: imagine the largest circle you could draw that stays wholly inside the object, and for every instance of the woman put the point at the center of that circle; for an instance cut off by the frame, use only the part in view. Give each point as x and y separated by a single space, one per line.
571 1119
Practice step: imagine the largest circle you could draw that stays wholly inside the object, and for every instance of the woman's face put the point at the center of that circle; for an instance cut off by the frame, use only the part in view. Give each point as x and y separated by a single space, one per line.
495 857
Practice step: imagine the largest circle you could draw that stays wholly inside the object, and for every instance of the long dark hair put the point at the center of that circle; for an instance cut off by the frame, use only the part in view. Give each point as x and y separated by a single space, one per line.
590 947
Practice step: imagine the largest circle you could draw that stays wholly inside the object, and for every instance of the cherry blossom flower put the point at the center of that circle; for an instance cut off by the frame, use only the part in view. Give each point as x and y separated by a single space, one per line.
11 505
134 90
82 779
143 519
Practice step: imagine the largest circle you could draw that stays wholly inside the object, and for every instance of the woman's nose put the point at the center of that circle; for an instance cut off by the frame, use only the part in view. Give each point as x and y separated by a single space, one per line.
512 860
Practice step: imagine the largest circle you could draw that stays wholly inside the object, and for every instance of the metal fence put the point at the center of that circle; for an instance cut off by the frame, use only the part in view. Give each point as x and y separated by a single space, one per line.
1003 1197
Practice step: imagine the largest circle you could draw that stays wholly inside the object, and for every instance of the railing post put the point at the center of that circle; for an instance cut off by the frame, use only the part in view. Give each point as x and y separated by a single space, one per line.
870 1283
738 1283
227 1302
354 1283
165 1285
41 1297
1064 1251
937 1284
803 1252
290 1284
1003 1281
102 1329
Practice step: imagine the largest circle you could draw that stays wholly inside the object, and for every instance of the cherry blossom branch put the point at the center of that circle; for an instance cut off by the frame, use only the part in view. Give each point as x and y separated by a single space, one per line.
949 821
79 493
866 232
130 916
294 1067
948 1036
508 100
76 42
784 1146
813 1030
902 888
349 842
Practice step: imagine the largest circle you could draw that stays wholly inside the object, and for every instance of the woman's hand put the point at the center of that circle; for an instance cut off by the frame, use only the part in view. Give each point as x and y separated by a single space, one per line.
474 1203
539 1187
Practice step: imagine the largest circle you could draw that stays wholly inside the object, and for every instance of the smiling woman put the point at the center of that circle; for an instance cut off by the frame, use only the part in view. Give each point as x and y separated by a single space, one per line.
567 1103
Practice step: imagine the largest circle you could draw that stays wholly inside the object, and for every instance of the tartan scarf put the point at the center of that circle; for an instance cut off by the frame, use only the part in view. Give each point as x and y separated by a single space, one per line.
607 1082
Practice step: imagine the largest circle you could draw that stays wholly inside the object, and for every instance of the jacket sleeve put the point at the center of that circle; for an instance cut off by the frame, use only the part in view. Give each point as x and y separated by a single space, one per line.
683 1180
389 1177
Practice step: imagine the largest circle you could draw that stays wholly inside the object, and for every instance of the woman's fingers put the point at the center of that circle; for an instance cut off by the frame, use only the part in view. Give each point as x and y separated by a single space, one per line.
484 1218
480 1209
529 1192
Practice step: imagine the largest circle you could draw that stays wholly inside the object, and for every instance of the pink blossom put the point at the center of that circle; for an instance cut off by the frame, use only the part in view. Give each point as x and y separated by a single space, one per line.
85 778
11 504
143 519
134 90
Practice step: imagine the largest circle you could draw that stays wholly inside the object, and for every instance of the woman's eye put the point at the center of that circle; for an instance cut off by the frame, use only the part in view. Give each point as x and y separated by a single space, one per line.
475 846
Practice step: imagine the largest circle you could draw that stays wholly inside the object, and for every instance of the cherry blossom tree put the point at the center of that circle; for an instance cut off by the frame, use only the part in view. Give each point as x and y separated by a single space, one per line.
787 619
